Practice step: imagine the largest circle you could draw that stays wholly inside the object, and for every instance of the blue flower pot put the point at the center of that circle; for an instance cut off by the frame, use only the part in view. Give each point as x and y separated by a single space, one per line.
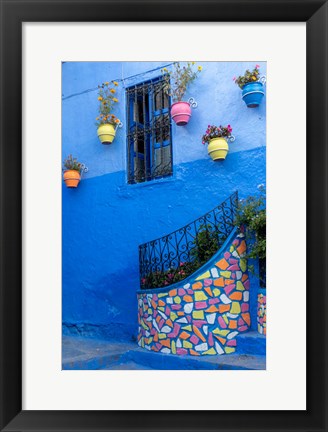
252 94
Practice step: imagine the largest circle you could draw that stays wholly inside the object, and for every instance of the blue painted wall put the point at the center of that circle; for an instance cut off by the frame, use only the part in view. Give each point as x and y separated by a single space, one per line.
105 219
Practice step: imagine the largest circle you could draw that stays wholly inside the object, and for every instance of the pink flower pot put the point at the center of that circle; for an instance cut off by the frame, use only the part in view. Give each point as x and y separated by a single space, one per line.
181 113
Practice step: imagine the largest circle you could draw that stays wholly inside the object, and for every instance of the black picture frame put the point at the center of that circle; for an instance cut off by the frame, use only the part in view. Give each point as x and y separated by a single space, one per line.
13 14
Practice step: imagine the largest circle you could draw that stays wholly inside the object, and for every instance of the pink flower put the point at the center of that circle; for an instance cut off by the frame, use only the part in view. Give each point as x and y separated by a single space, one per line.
257 66
182 264
234 79
143 280
166 283
229 128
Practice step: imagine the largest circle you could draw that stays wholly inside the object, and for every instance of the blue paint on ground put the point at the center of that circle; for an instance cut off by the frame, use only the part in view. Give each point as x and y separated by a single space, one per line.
251 343
94 354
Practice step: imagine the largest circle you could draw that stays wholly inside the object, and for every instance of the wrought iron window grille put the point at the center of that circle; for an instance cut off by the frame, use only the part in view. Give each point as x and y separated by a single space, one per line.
175 256
149 141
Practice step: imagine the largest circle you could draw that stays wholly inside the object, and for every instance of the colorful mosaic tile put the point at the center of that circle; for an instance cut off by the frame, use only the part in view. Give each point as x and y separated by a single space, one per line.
202 317
261 314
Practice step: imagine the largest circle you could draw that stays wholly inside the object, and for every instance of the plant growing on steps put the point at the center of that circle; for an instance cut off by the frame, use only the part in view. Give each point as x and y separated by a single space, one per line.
206 244
251 213
168 277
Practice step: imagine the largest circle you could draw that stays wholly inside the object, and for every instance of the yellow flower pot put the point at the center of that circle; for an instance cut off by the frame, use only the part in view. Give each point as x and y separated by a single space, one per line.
106 133
218 148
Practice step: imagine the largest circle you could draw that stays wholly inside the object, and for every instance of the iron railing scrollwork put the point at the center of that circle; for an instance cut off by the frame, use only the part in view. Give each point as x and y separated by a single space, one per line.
173 257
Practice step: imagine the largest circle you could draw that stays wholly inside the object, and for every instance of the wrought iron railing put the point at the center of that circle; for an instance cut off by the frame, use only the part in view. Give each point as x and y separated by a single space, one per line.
172 258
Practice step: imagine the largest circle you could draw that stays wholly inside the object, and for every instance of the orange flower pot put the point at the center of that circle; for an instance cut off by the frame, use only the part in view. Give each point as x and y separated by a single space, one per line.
72 178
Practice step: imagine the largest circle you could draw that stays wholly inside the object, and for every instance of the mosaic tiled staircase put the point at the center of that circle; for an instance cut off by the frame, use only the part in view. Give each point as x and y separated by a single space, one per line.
204 314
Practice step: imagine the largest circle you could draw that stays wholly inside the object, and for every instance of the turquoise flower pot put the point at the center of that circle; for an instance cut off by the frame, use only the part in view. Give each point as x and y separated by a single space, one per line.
252 94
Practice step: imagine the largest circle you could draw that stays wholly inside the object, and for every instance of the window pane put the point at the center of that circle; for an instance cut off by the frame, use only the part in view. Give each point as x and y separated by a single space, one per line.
163 162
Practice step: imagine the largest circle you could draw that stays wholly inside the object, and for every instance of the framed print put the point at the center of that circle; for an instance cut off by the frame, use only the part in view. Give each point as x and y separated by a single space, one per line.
187 307
147 152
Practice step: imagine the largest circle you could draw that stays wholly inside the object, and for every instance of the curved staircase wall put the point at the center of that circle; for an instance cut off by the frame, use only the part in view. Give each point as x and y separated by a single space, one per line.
203 314
261 311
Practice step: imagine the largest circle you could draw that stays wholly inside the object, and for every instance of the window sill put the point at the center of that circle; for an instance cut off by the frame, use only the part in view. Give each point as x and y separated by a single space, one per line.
150 183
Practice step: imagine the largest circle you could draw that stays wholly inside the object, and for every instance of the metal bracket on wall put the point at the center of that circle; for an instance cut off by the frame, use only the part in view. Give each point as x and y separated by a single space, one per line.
192 103
84 169
263 79
119 125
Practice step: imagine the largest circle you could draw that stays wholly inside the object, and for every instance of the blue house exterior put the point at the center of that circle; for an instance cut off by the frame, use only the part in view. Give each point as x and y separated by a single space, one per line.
105 219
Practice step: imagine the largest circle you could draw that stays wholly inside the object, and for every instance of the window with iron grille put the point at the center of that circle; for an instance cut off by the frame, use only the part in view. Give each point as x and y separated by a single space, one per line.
149 144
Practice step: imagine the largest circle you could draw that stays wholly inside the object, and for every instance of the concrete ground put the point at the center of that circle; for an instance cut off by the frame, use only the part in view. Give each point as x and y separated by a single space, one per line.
80 353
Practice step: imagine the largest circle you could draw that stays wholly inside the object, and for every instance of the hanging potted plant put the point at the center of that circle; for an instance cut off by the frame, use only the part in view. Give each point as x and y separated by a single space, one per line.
182 77
107 122
72 171
217 138
252 86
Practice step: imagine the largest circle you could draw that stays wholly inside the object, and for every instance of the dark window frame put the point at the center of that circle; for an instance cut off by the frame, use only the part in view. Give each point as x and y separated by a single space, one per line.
149 131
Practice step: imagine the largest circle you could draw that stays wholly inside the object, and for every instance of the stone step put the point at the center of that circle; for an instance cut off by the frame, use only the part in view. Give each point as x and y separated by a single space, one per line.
125 366
89 354
161 361
252 343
